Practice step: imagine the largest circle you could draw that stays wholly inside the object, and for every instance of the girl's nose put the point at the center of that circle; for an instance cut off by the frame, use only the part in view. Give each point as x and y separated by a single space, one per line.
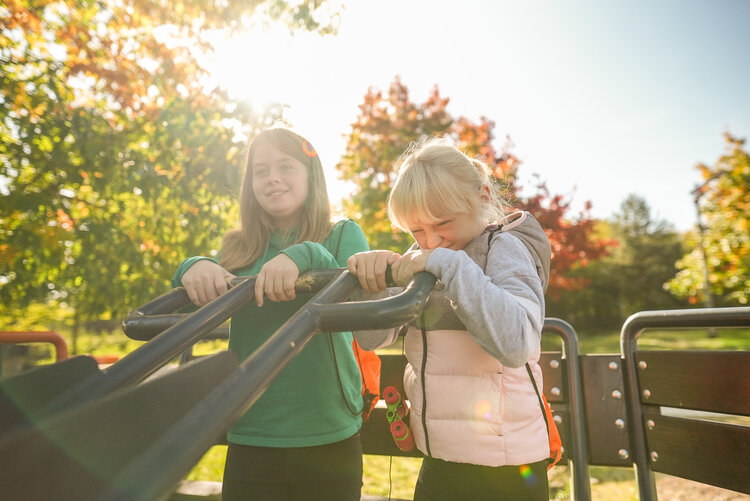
274 176
433 240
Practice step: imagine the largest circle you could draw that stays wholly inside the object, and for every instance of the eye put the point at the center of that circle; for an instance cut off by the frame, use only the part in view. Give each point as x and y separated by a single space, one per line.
260 171
418 230
445 223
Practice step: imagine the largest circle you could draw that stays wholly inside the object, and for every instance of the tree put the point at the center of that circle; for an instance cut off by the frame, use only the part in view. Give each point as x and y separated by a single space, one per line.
575 243
723 203
644 260
115 161
632 277
385 127
388 123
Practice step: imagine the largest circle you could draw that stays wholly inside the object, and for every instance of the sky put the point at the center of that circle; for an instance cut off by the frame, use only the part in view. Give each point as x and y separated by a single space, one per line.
600 99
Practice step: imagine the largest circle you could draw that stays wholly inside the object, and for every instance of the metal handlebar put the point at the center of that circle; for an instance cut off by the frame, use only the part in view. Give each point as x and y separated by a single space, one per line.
186 329
159 314
160 467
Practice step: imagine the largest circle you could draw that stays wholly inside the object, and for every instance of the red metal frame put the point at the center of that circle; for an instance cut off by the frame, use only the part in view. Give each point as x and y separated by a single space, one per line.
61 347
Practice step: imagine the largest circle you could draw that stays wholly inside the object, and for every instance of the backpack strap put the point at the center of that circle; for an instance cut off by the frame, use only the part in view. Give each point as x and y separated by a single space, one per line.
538 396
341 235
367 395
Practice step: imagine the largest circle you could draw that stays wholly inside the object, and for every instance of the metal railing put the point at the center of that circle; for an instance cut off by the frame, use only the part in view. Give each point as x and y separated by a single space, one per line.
160 467
61 347
581 485
169 334
629 335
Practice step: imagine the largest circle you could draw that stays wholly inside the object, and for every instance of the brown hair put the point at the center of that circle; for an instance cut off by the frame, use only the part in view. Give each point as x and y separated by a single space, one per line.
243 246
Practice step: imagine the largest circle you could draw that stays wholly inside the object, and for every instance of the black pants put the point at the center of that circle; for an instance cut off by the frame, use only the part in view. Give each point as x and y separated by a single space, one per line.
324 472
446 481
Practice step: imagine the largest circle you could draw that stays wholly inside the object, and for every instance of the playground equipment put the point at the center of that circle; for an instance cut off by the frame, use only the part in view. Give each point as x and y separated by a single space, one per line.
98 435
72 431
10 339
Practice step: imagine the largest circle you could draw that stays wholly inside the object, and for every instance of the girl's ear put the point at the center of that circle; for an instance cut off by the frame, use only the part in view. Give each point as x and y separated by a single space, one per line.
484 195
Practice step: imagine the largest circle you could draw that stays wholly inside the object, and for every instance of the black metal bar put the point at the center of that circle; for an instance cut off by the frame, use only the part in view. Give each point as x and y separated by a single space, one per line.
631 331
580 486
380 313
158 315
148 357
146 327
154 473
168 302
185 331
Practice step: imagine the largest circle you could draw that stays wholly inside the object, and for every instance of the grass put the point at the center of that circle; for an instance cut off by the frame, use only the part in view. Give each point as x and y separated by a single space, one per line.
683 339
397 476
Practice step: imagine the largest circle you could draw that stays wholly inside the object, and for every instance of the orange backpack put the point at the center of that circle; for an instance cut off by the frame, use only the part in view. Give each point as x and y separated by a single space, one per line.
555 442
369 369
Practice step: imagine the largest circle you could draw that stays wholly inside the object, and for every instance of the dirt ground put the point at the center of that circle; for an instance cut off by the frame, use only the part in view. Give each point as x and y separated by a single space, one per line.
677 489
620 485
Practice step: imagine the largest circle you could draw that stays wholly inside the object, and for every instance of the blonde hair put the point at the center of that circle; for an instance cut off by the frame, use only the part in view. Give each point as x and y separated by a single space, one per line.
244 245
436 179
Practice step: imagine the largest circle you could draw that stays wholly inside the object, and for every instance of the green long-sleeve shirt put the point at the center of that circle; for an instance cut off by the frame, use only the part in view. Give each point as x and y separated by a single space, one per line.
304 406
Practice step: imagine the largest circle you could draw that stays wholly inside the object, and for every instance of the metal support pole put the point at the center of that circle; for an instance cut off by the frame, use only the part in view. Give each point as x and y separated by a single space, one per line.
581 486
631 331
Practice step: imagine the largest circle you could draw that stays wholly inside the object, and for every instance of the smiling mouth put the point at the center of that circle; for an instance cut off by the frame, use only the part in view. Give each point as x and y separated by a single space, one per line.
275 193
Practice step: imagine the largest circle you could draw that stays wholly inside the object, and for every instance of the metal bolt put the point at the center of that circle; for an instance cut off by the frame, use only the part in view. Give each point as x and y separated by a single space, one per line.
554 363
623 453
613 365
642 364
646 394
617 394
654 456
557 419
555 391
619 424
650 423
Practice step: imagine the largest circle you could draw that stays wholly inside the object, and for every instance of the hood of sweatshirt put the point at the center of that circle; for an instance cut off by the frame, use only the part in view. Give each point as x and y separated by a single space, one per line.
527 229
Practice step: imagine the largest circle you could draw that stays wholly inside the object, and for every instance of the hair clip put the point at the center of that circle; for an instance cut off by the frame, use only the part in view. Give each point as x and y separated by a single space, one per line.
308 149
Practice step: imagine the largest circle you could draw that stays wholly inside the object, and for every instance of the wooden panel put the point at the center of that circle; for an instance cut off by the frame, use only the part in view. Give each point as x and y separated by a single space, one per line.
392 372
714 381
553 367
602 377
712 453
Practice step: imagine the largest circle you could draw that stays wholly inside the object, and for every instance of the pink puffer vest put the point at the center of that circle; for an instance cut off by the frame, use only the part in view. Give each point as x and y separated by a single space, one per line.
477 410
466 406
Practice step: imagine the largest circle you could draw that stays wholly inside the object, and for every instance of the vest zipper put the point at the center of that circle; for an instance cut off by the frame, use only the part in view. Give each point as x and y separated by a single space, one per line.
424 387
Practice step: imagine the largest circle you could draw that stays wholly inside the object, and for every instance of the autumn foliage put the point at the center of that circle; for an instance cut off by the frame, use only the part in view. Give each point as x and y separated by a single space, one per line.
723 199
115 161
389 122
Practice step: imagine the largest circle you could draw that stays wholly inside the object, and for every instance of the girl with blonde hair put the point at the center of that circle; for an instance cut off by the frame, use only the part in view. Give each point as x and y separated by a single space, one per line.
472 369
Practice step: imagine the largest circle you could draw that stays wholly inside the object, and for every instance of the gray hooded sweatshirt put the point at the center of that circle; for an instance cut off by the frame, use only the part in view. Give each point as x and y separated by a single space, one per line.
494 288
